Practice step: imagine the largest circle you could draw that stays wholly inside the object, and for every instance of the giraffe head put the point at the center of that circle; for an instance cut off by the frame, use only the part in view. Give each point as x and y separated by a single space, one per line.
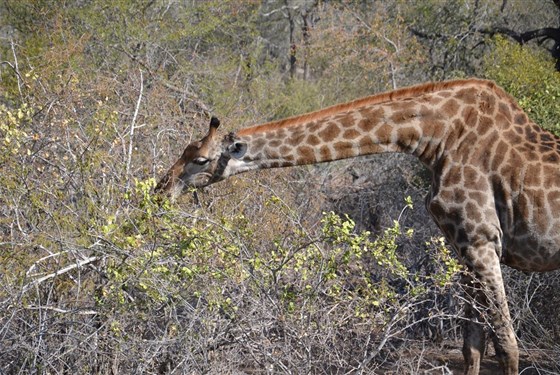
202 163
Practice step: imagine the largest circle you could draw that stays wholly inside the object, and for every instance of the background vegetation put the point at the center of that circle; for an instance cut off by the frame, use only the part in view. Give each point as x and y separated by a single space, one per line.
325 269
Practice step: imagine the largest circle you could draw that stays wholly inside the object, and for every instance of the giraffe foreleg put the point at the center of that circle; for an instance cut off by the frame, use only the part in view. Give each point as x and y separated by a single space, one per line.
474 337
487 292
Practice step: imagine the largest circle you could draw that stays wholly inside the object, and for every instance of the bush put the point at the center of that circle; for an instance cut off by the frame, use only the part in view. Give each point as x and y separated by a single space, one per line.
529 75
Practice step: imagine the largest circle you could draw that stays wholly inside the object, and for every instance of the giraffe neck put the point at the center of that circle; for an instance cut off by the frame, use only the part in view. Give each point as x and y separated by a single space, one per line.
424 121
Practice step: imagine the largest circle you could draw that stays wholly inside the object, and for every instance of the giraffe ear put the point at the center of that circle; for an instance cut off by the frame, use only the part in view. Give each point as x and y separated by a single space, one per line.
237 149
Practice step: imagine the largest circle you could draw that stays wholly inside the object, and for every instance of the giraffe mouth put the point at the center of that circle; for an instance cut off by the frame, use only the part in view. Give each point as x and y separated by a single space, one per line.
201 179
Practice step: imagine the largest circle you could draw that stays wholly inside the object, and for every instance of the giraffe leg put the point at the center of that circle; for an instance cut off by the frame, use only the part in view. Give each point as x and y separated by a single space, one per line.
478 243
474 337
489 293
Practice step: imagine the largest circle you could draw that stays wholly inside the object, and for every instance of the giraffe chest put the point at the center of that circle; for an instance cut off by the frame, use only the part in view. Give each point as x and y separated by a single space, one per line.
514 210
531 232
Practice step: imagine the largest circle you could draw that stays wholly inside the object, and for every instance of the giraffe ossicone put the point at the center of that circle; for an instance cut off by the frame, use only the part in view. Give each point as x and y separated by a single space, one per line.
495 190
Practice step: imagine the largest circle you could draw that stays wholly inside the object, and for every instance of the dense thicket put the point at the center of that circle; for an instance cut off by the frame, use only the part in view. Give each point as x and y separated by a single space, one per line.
324 269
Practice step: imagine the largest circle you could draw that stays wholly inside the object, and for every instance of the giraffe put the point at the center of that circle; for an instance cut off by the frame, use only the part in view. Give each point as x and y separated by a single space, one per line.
495 179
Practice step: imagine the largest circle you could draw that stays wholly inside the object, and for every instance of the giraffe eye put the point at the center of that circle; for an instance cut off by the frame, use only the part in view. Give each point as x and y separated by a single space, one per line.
201 161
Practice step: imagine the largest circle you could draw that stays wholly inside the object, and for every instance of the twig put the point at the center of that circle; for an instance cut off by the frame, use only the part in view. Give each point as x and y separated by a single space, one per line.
63 311
51 255
132 127
59 272
16 68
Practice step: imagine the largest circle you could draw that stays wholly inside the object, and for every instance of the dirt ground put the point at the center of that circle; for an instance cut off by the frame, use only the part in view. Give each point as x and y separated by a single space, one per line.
448 359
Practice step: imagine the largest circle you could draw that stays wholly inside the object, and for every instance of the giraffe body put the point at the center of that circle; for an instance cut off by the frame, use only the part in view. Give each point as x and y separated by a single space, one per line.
495 179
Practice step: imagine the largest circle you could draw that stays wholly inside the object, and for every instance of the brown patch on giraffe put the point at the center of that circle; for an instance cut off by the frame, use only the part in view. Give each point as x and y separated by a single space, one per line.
344 149
501 122
493 136
438 129
433 100
314 126
351 134
478 196
459 195
487 103
508 169
473 179
513 137
482 156
530 147
330 132
519 129
285 150
367 124
488 258
408 137
547 146
313 140
485 123
280 134
531 155
455 133
289 158
371 113
467 96
426 111
533 176
325 153
551 157
307 154
530 134
452 177
466 145
470 226
383 133
365 142
470 116
273 154
296 138
520 119
546 137
403 115
550 176
544 148
347 120
257 145
274 143
446 195
450 108
456 195
504 110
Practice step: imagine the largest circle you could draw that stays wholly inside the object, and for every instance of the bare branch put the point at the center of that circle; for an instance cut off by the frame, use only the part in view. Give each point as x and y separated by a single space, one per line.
59 272
132 127
16 68
63 311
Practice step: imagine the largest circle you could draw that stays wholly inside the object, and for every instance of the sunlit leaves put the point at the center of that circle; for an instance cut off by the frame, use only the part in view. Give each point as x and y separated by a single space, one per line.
528 74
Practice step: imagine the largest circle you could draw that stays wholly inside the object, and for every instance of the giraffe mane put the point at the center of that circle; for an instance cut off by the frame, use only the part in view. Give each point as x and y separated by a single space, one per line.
399 94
